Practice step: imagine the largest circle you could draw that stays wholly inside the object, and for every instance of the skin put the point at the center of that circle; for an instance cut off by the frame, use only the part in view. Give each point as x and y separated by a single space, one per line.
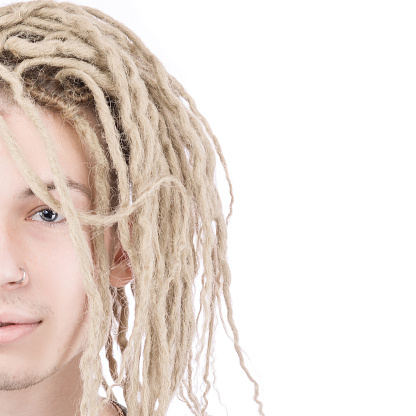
39 374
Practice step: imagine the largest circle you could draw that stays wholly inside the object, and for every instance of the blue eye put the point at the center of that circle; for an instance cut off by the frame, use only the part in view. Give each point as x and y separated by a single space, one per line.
49 216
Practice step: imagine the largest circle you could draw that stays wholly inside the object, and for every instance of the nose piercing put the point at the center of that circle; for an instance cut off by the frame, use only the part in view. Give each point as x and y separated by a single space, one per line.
21 280
24 276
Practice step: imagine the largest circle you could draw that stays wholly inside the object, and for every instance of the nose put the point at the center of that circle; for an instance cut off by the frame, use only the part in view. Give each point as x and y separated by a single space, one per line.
13 280
12 275
21 282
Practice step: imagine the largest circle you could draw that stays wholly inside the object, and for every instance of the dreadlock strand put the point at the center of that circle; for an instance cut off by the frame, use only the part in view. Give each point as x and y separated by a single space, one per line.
152 173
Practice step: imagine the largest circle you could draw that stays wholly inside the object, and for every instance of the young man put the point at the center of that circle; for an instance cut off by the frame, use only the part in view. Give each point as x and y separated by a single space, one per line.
107 175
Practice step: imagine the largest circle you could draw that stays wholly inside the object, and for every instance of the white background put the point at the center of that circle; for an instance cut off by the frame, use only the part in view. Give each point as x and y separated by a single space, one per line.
314 103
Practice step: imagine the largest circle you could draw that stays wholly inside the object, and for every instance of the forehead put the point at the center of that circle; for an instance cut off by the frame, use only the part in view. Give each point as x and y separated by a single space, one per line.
70 153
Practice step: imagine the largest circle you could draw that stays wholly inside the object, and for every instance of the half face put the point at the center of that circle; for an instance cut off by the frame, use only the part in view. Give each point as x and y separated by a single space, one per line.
37 239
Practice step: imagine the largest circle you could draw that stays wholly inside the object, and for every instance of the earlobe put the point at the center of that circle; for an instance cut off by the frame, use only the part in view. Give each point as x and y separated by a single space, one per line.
121 273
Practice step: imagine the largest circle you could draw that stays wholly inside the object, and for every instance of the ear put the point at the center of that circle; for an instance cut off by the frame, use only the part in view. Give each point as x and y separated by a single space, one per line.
121 273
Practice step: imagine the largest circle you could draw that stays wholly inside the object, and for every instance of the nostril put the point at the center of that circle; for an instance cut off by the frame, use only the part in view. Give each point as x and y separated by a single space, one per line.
13 281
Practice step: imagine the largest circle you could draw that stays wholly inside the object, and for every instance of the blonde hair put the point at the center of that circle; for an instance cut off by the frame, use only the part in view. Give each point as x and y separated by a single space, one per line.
153 176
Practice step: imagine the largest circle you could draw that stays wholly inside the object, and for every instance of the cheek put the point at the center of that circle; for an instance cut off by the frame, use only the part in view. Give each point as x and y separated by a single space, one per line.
55 273
54 267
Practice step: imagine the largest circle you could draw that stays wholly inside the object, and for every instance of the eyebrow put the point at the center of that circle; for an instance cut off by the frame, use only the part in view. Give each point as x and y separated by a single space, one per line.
28 193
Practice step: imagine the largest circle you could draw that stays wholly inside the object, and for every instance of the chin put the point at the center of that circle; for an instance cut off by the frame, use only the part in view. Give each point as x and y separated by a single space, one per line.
11 381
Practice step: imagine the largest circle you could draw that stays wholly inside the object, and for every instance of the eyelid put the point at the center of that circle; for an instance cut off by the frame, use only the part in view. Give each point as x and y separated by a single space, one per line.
48 223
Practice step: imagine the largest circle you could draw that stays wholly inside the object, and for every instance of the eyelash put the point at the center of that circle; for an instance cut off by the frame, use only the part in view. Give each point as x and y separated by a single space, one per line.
48 223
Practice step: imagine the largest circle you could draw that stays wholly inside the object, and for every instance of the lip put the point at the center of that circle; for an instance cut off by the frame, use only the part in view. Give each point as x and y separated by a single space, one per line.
24 324
18 318
12 333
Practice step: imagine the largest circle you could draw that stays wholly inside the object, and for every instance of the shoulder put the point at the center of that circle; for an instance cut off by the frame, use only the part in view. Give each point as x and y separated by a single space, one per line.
123 409
120 407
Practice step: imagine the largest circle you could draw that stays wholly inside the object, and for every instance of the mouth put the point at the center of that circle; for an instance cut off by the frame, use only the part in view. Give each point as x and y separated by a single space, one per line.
17 323
14 331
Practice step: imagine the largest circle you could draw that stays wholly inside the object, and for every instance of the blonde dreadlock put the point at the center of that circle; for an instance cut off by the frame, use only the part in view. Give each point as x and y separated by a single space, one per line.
153 177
